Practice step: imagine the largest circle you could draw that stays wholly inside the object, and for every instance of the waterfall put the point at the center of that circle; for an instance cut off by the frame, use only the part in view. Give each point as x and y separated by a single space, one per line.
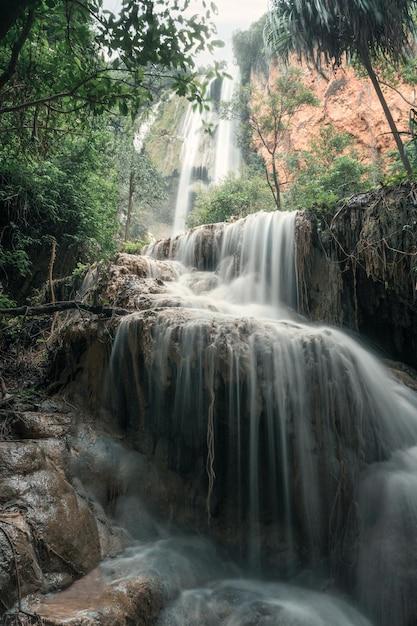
219 154
309 441
145 126
227 157
192 134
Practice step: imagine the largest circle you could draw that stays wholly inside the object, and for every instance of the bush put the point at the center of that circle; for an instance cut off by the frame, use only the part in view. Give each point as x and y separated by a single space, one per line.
328 173
235 197
70 196
134 247
395 172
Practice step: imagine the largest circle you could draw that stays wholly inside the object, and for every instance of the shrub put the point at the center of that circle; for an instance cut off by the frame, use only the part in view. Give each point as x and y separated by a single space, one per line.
234 197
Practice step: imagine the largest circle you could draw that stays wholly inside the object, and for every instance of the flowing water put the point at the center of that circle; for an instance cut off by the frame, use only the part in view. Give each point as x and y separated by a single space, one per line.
192 130
309 443
227 156
219 154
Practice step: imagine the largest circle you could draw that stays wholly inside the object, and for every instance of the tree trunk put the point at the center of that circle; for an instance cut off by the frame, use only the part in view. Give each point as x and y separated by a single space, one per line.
17 47
11 10
400 146
129 205
276 183
268 180
51 270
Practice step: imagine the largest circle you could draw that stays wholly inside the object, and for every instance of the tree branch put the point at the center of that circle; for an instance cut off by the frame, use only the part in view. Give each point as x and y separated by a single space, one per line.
381 82
56 96
67 305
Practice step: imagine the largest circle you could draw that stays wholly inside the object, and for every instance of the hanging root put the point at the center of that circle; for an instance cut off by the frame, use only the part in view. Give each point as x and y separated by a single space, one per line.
51 270
303 244
210 433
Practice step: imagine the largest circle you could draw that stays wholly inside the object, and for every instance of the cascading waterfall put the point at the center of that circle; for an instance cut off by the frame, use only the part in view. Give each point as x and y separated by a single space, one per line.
309 442
192 128
221 161
227 157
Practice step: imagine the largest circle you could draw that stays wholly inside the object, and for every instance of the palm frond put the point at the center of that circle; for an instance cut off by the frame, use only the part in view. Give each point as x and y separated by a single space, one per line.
335 28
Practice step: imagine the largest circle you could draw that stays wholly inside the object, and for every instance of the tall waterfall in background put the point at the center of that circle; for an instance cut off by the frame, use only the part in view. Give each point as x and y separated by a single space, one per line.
192 129
224 157
227 157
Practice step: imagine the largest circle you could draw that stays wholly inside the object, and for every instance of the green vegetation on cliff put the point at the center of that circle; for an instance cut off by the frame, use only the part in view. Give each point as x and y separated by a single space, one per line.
233 198
326 173
366 31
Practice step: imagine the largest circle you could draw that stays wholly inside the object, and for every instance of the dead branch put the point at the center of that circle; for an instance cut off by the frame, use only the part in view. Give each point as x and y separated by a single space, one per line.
59 307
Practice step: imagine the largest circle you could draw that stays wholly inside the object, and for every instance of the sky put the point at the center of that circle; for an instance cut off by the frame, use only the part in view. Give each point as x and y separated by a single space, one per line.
232 15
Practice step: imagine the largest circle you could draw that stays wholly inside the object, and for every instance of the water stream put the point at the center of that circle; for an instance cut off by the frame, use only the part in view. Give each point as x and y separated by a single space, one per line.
218 154
309 442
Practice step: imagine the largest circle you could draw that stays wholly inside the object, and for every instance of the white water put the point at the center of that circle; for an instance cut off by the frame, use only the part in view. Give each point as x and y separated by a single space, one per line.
227 157
192 129
300 422
197 149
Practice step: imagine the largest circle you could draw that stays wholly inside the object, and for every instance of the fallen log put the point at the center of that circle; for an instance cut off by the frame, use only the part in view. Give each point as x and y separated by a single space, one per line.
58 307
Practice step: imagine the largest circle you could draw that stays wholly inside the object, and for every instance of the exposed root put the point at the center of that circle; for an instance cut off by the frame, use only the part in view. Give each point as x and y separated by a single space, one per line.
210 430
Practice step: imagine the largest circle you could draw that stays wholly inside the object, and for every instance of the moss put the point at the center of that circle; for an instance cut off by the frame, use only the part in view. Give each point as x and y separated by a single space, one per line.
164 145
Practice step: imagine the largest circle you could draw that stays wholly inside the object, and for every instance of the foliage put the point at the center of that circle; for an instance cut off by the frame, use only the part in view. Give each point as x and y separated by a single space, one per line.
70 75
395 172
271 111
70 196
248 48
142 189
79 271
233 198
6 302
327 173
134 247
100 61
381 28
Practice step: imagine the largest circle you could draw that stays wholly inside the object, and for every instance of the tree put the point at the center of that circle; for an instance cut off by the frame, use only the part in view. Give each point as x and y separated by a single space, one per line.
11 10
234 197
248 48
328 172
141 186
336 29
71 76
70 196
270 113
145 190
111 60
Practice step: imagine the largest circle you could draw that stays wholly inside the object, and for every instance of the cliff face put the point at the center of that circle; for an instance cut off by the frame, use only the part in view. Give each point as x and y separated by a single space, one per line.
351 105
358 269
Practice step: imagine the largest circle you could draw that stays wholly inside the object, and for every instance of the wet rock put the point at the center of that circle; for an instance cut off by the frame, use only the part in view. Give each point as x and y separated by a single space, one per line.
356 268
93 601
199 247
127 279
406 375
33 425
332 429
33 479
19 566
